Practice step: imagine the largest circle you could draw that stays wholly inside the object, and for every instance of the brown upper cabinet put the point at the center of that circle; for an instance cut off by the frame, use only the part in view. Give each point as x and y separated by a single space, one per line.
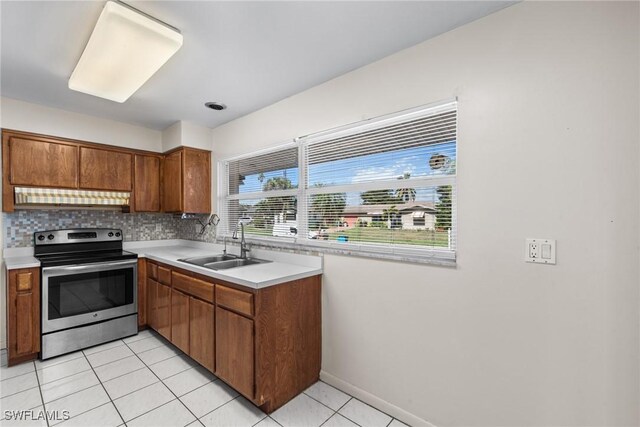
187 181
42 163
146 188
105 169
33 160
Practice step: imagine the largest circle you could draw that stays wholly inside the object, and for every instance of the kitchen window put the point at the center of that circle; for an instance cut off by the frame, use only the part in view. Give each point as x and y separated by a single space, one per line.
382 186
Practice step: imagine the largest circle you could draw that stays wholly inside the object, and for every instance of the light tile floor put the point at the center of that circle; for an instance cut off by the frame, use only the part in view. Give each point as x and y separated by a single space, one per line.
145 381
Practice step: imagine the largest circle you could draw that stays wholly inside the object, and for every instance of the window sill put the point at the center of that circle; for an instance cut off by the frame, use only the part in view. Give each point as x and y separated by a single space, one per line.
289 244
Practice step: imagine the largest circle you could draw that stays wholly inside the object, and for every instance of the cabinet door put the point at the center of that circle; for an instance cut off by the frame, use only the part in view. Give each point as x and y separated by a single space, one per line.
197 181
201 332
23 314
146 178
152 303
105 169
46 164
180 320
163 311
172 178
234 350
142 292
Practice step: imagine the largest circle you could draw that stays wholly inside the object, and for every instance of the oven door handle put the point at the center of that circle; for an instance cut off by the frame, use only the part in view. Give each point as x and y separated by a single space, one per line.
93 266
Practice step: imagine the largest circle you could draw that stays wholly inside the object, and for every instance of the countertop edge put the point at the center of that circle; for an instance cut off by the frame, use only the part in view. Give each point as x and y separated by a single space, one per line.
221 276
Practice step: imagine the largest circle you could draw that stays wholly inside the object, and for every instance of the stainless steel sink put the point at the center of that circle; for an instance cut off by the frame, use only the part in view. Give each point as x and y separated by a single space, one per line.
233 263
222 262
203 260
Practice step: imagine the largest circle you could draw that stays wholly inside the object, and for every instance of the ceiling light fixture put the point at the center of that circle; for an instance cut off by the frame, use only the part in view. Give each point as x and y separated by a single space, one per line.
215 106
125 49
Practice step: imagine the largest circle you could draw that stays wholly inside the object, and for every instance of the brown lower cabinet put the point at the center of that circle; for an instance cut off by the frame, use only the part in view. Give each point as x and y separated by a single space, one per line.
180 320
151 303
265 343
234 352
201 332
163 310
23 315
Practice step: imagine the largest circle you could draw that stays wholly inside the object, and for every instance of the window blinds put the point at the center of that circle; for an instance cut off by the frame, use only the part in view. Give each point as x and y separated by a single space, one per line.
384 185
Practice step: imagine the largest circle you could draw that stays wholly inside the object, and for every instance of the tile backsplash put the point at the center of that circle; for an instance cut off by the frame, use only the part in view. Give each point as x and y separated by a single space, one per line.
20 225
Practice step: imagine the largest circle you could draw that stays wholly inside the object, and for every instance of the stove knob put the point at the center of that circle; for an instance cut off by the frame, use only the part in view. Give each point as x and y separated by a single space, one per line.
41 237
110 234
50 237
118 234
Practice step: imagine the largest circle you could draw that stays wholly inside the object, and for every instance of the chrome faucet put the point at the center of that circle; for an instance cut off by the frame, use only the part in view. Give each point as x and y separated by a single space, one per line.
244 249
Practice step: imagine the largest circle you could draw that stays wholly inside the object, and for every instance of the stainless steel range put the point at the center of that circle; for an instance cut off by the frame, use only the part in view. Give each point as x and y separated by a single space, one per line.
89 289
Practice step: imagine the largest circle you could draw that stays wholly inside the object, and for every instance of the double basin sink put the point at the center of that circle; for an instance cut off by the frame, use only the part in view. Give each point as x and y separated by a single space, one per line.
222 261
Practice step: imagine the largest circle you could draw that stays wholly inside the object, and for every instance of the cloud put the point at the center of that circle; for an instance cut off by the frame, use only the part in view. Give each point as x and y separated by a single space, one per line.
399 167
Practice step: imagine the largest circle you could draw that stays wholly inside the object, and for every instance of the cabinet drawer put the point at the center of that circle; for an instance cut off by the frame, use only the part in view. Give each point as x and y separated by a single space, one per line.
236 300
192 286
164 276
152 271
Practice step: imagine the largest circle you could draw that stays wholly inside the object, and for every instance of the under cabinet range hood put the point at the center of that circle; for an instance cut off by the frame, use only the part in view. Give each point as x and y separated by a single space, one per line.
25 196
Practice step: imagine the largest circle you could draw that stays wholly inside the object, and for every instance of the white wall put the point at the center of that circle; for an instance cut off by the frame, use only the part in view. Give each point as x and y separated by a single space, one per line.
548 147
186 134
25 116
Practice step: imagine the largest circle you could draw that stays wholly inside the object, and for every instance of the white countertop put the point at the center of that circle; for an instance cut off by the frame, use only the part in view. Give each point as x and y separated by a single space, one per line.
15 262
284 267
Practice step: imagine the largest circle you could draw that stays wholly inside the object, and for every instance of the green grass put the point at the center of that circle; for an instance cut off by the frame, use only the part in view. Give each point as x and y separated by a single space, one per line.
258 231
385 235
376 235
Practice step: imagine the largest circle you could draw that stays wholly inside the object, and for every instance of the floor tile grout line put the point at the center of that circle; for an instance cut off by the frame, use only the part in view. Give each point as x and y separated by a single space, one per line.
274 420
15 376
104 388
26 389
164 360
111 361
162 382
26 373
327 406
345 403
121 375
193 367
213 410
371 406
58 362
325 421
104 349
70 394
89 410
67 376
46 418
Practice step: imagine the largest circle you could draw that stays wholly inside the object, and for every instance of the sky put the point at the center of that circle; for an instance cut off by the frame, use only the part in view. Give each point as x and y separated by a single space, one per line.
367 168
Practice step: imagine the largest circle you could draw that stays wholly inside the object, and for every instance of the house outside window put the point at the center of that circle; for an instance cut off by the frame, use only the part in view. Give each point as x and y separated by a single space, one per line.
386 185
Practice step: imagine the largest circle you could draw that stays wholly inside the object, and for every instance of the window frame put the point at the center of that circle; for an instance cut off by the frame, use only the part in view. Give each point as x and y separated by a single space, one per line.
411 253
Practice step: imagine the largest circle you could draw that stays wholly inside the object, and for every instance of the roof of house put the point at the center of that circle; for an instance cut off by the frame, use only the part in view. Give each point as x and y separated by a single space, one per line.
379 209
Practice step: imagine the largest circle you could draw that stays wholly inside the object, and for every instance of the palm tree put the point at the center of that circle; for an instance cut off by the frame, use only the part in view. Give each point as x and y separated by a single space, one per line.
406 194
389 213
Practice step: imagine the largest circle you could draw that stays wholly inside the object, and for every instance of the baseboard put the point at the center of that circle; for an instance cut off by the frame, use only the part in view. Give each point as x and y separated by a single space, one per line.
375 401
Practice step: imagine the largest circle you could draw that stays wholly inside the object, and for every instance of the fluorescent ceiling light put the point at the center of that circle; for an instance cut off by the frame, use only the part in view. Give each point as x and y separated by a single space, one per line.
125 49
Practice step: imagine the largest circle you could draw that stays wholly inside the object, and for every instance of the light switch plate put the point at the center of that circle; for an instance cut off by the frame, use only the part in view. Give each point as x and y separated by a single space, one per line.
540 251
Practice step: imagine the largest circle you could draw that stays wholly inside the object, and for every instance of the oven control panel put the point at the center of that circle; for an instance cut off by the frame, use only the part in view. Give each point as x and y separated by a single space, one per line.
53 237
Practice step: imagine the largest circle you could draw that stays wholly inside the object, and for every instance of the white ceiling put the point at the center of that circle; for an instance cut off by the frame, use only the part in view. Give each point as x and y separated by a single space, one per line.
245 54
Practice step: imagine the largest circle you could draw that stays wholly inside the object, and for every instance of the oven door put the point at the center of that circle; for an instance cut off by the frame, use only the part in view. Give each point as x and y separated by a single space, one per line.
88 293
